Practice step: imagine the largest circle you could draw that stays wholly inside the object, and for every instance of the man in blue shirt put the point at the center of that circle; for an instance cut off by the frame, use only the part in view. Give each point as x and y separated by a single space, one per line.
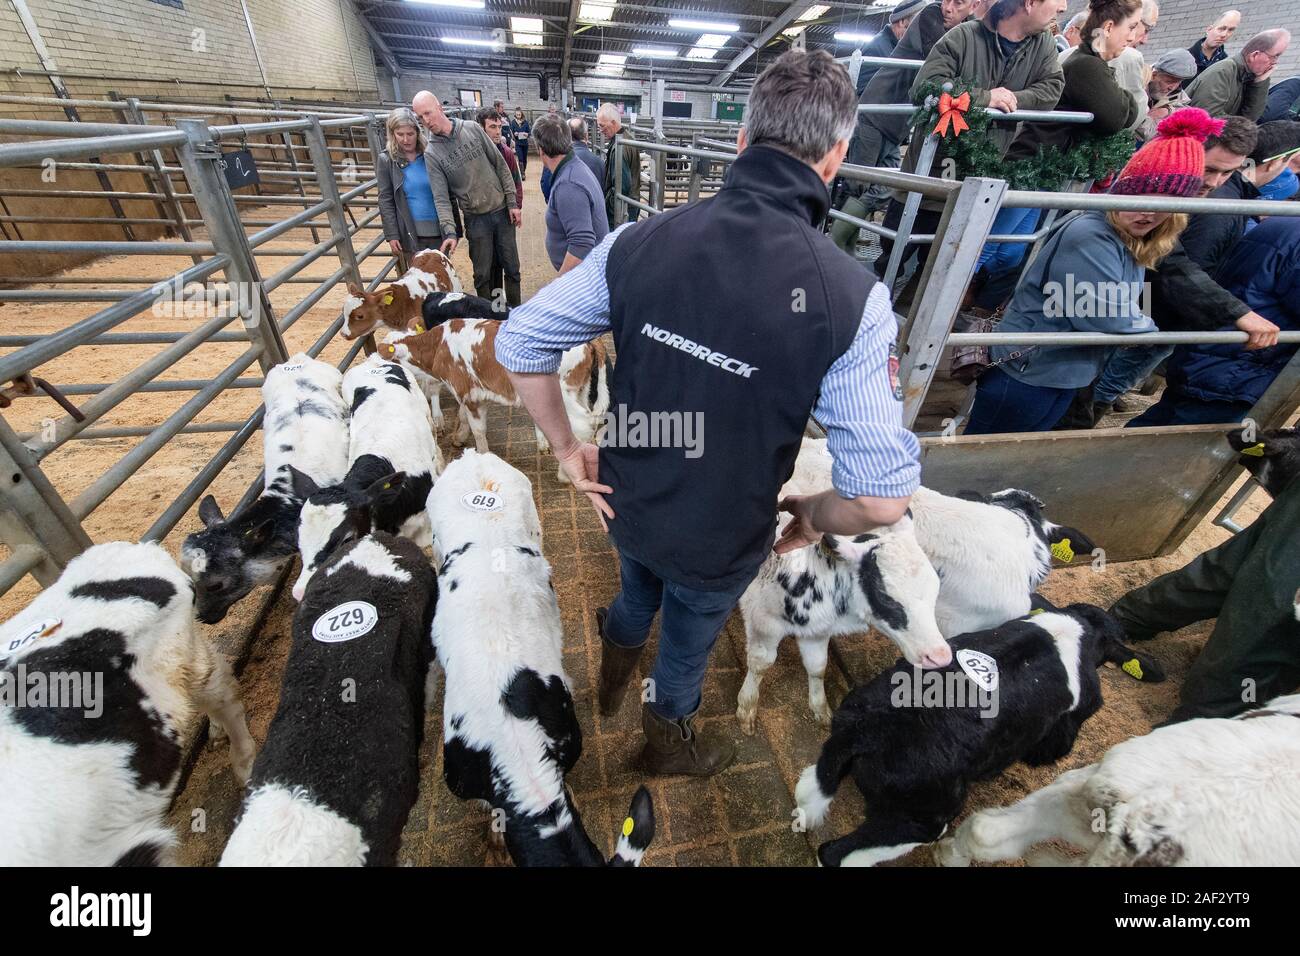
738 315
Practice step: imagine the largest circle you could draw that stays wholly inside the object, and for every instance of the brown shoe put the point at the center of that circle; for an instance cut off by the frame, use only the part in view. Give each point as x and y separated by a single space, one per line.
673 746
617 665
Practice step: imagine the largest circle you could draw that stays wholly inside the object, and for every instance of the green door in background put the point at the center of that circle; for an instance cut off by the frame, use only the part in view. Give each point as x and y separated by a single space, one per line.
731 111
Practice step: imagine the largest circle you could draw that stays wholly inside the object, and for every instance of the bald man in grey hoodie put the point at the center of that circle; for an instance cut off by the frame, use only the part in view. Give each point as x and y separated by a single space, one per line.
465 164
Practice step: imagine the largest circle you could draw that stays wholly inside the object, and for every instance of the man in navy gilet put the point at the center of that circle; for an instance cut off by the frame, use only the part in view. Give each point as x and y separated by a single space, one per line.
734 318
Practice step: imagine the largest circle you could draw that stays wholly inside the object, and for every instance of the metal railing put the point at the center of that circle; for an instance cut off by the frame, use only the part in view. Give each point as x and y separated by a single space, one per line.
327 189
969 208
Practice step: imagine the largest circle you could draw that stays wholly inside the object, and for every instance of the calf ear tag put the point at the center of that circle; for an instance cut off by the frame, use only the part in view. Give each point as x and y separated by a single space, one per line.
388 298
345 622
1133 668
627 826
1062 551
1255 451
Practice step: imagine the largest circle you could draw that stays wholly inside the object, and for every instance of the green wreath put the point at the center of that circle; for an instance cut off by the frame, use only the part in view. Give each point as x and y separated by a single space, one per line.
973 152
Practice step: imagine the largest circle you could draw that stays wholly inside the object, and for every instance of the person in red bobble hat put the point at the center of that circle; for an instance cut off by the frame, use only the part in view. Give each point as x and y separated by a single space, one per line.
1088 277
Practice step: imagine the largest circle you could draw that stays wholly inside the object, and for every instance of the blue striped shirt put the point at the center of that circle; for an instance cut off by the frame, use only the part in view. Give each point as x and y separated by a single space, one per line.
873 454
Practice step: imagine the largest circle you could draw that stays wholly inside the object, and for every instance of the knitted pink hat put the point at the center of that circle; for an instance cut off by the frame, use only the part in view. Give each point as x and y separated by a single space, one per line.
1172 164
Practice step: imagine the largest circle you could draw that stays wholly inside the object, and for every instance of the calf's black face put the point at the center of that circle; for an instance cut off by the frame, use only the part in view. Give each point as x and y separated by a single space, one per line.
227 559
1273 458
1030 507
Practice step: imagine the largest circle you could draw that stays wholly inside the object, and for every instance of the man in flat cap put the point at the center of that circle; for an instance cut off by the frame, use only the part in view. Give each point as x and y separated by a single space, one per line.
1164 90
883 43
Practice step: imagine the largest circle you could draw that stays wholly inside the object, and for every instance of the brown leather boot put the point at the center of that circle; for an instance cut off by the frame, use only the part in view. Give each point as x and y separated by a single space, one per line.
673 746
616 667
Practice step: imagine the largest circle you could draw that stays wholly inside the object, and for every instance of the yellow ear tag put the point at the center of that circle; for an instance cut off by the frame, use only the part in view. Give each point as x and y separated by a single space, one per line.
419 327
1256 451
1132 668
1062 551
1037 610
391 349
388 299
387 485
627 827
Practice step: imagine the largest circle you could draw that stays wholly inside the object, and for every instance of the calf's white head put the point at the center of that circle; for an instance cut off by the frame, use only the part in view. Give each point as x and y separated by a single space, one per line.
900 587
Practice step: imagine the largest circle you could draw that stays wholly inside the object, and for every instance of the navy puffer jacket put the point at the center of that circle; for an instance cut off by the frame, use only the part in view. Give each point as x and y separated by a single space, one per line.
1263 270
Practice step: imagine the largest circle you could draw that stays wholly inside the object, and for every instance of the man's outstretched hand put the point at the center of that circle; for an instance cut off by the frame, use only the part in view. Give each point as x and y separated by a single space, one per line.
799 533
580 463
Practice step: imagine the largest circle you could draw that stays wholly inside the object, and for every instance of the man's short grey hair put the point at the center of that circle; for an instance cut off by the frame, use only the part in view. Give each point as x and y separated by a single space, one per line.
1264 41
803 104
552 136
1076 21
608 111
578 129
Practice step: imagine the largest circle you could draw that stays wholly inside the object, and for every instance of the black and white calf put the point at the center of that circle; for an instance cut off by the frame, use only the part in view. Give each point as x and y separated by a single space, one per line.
915 740
99 676
991 553
510 733
440 306
843 585
306 426
1273 457
392 462
1210 792
339 771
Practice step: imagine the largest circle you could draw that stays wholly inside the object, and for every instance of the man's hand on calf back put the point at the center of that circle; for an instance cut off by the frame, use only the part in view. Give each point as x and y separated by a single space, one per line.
828 513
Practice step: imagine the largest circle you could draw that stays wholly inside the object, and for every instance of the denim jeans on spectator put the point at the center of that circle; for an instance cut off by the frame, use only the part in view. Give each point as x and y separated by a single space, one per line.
1127 368
1004 404
688 628
998 257
492 246
1177 409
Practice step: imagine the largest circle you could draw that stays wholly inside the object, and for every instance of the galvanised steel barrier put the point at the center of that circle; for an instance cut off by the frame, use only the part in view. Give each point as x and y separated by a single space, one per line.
1141 490
42 529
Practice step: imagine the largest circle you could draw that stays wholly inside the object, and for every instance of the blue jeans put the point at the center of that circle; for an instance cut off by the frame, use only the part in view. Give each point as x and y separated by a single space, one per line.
998 257
1127 368
689 627
1005 404
1176 409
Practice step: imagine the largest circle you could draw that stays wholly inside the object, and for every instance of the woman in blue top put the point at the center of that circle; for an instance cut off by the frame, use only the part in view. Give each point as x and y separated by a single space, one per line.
405 199
1088 277
520 131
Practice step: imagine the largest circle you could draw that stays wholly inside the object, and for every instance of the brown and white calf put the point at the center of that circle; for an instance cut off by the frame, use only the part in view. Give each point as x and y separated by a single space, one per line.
397 304
461 354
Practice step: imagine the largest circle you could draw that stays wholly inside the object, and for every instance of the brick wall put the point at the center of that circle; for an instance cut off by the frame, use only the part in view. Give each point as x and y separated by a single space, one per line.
311 49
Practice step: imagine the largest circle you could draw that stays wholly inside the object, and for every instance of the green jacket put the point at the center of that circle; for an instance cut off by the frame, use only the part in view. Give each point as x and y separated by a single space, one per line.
1229 89
970 52
466 165
631 184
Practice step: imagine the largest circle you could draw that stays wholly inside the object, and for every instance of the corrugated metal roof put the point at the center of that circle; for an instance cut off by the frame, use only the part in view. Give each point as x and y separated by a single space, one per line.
416 33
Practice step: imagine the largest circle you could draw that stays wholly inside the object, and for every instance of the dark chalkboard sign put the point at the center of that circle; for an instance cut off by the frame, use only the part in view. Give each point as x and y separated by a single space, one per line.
677 110
239 168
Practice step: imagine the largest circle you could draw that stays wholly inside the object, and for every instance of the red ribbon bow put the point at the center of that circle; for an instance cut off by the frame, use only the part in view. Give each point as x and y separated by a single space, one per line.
950 114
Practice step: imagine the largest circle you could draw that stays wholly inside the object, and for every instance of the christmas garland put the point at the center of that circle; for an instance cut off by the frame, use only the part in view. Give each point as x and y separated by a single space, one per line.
973 152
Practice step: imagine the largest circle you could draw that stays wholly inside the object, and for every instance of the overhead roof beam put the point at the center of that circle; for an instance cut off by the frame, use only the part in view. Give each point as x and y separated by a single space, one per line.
783 20
574 6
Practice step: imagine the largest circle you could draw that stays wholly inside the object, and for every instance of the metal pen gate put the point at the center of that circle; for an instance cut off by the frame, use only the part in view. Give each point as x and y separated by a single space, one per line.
1139 492
323 166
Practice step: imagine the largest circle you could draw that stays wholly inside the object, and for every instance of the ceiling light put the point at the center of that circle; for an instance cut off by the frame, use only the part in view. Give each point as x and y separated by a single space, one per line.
466 41
596 12
713 39
793 32
526 24
812 13
710 25
617 59
471 4
855 37
654 52
701 53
